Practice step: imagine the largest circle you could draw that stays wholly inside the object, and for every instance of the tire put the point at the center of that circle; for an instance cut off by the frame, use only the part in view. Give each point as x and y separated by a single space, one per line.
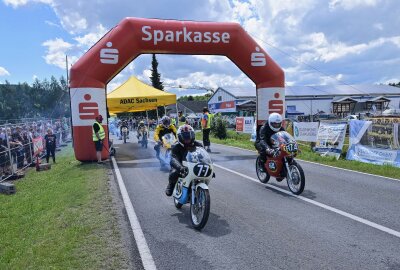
296 187
199 223
263 176
124 138
177 204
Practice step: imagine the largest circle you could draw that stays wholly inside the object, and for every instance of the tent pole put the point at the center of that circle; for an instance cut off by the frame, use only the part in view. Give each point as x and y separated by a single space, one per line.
157 115
177 119
148 125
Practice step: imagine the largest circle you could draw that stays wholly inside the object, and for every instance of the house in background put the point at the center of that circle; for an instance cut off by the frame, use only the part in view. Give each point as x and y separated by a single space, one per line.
338 100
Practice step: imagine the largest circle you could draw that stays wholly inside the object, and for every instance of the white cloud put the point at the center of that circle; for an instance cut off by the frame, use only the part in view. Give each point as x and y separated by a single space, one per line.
52 24
18 3
34 77
211 59
56 51
351 4
74 22
4 72
91 38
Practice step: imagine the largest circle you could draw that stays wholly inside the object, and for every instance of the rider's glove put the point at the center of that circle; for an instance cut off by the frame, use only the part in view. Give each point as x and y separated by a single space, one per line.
184 171
277 152
270 152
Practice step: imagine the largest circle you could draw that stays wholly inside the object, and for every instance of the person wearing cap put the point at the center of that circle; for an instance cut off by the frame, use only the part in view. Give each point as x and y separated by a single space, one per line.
206 120
98 137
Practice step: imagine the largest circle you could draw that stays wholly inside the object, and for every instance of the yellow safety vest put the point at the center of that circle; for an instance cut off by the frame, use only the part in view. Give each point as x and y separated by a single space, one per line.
101 132
210 119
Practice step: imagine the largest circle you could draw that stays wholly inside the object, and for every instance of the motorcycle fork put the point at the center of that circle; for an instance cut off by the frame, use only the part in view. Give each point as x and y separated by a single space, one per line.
193 192
288 173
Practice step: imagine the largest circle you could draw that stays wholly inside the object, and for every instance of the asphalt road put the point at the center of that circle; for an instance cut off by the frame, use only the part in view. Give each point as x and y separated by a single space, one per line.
254 226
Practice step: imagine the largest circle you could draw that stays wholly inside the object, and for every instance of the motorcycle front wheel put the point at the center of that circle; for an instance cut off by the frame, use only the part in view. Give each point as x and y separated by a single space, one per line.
200 210
124 138
297 180
177 204
262 173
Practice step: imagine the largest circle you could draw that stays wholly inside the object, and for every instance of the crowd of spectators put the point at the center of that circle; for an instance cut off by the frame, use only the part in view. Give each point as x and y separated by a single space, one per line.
16 143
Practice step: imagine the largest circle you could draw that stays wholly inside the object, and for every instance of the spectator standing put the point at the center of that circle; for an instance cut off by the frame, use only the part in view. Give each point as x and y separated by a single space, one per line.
206 127
50 145
98 137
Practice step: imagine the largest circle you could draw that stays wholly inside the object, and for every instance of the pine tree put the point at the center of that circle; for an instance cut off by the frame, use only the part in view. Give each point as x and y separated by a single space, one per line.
155 76
156 82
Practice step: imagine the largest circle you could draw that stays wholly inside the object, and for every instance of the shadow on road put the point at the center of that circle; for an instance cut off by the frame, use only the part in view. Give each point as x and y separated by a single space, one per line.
215 227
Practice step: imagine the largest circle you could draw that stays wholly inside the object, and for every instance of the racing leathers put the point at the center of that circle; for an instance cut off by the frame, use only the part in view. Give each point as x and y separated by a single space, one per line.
124 124
178 153
263 141
159 133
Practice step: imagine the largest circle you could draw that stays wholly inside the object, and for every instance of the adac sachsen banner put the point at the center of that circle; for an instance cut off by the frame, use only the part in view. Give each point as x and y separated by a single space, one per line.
244 124
374 142
330 139
305 131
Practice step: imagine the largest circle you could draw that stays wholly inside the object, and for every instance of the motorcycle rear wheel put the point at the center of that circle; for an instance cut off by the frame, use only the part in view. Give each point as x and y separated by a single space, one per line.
297 180
262 175
200 210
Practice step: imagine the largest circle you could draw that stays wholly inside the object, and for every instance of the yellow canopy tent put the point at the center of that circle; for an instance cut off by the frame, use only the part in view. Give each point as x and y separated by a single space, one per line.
135 96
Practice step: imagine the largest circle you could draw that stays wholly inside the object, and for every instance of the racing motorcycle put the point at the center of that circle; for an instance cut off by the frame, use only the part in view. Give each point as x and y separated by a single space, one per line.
282 164
124 133
142 132
165 151
192 187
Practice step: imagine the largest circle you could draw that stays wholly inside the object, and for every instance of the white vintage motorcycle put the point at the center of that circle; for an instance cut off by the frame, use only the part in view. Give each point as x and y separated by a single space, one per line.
193 188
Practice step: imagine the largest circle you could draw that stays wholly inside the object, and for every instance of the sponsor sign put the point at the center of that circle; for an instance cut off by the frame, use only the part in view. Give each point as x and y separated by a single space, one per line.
86 104
226 106
183 35
244 124
330 139
374 142
37 145
305 131
270 100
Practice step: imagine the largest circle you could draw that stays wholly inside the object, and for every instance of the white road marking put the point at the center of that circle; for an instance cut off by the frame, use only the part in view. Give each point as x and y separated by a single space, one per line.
144 251
327 207
333 167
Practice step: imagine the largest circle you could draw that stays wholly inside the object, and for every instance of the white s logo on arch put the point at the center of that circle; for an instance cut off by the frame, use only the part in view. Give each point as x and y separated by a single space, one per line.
109 55
258 58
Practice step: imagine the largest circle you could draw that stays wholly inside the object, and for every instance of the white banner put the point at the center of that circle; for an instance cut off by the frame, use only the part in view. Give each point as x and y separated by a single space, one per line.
305 131
244 124
330 139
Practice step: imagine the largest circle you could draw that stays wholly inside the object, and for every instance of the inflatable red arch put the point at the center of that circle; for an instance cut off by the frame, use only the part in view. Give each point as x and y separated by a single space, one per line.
134 36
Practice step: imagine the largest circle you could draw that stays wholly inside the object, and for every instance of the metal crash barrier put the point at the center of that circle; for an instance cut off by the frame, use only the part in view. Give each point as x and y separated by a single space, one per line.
21 144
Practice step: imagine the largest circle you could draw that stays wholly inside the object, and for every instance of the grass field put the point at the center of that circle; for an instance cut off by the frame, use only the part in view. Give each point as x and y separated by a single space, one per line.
243 141
61 219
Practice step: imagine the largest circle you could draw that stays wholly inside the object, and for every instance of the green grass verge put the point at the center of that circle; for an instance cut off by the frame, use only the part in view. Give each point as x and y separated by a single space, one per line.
243 141
61 219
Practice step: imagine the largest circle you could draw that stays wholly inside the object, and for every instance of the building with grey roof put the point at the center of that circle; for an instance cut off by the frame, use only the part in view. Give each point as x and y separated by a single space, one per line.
340 100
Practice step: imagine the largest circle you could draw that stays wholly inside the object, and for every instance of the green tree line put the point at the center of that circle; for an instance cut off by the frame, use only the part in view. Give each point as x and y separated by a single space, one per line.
46 98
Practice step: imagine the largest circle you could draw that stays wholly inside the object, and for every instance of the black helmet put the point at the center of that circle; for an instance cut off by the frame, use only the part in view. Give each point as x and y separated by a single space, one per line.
186 135
165 121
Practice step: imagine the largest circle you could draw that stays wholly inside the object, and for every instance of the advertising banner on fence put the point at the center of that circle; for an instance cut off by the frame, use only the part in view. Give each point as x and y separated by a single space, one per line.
330 139
37 145
244 124
226 106
305 131
375 142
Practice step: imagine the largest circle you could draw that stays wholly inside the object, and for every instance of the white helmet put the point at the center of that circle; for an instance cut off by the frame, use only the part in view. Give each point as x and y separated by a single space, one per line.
275 121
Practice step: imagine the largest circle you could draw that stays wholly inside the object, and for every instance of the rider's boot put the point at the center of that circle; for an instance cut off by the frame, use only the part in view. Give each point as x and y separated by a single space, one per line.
170 188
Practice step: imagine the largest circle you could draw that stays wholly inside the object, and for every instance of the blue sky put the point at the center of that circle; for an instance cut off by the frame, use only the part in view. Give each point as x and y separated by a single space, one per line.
315 41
